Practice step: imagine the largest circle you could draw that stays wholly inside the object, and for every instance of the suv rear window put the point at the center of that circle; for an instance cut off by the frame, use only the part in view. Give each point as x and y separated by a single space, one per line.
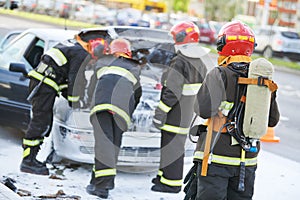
291 35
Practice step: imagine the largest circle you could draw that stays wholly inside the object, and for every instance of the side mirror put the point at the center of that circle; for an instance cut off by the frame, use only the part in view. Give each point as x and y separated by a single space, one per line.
18 67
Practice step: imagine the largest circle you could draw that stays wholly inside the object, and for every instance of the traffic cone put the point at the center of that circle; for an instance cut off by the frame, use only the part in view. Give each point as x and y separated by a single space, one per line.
270 136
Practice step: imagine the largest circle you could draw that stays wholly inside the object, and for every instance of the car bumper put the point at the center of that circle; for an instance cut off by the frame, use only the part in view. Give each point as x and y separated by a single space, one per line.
138 148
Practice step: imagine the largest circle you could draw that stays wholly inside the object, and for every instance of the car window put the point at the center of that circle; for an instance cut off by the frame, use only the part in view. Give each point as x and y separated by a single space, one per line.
34 52
15 51
291 35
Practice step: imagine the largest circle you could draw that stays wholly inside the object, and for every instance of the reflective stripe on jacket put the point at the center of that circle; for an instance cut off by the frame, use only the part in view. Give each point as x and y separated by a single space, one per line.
181 82
118 87
225 160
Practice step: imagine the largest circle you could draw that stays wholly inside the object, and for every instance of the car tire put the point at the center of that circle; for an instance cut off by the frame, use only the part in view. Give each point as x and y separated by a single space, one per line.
268 52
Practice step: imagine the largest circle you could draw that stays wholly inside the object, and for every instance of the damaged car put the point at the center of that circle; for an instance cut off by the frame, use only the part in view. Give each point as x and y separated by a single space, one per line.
72 133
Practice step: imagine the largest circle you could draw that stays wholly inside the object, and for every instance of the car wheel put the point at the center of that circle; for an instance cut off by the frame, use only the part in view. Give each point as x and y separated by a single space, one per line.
268 52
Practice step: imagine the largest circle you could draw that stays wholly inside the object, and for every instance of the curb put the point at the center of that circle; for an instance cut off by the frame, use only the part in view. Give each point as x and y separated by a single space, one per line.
8 194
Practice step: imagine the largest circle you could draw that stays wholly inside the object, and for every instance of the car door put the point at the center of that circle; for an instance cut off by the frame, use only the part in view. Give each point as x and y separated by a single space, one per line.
14 108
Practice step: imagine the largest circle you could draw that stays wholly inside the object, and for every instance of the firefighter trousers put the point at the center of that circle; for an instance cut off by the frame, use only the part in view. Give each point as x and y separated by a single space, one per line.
108 137
172 158
42 111
222 181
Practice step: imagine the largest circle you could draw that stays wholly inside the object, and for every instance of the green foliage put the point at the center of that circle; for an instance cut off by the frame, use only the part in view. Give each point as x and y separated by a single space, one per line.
222 10
181 5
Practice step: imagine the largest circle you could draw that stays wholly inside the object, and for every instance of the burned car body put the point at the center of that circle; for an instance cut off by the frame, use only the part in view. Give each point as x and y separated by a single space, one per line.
72 133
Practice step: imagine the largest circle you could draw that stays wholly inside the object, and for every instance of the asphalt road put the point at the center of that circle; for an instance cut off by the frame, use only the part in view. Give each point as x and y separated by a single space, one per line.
288 128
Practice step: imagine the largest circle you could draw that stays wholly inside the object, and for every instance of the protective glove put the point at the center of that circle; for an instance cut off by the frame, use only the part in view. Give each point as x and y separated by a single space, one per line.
160 118
190 180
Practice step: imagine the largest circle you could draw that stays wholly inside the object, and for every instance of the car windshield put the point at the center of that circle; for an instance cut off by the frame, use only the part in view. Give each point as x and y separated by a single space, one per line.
290 34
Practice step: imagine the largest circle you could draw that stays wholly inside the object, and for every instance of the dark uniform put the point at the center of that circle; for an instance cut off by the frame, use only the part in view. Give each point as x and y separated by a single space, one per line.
223 173
117 94
175 110
58 71
180 85
227 164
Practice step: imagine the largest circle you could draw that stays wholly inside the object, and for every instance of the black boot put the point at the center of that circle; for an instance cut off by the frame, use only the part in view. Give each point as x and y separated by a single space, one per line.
156 180
100 192
30 164
160 187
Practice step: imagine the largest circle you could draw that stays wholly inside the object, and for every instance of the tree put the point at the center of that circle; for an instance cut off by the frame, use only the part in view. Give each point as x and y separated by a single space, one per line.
181 5
222 10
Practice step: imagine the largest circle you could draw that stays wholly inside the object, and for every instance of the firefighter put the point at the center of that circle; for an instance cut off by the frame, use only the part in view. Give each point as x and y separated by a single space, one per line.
225 160
60 66
174 113
116 96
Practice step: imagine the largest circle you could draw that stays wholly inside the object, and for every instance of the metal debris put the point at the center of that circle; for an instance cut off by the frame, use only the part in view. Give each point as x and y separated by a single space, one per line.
60 195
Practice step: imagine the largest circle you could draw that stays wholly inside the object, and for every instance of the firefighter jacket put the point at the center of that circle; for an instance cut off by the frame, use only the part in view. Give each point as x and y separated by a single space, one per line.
181 82
62 67
118 88
218 92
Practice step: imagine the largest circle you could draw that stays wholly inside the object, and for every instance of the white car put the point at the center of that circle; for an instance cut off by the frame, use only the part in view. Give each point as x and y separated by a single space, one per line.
72 133
277 41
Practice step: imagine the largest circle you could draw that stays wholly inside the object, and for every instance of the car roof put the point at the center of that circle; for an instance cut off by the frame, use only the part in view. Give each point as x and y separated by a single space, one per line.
279 28
131 32
51 34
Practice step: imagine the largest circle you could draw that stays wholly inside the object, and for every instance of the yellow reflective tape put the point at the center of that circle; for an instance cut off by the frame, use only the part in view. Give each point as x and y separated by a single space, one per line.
105 172
47 81
175 129
160 173
63 86
191 89
73 98
189 29
226 160
117 71
231 37
57 56
32 142
251 39
243 37
26 152
170 182
113 108
164 107
243 154
225 105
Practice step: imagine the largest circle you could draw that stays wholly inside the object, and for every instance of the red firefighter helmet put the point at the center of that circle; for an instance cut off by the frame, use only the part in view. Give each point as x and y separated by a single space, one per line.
185 32
120 46
98 47
235 38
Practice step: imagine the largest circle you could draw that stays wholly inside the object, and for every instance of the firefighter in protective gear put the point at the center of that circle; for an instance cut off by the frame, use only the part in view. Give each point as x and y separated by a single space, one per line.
229 171
60 66
116 96
173 116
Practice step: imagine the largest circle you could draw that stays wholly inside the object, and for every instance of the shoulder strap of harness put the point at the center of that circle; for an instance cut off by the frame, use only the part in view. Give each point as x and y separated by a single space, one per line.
261 81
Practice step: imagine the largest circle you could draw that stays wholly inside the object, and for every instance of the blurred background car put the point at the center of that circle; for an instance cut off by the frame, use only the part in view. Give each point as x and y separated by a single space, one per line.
12 4
131 17
207 33
275 41
96 14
